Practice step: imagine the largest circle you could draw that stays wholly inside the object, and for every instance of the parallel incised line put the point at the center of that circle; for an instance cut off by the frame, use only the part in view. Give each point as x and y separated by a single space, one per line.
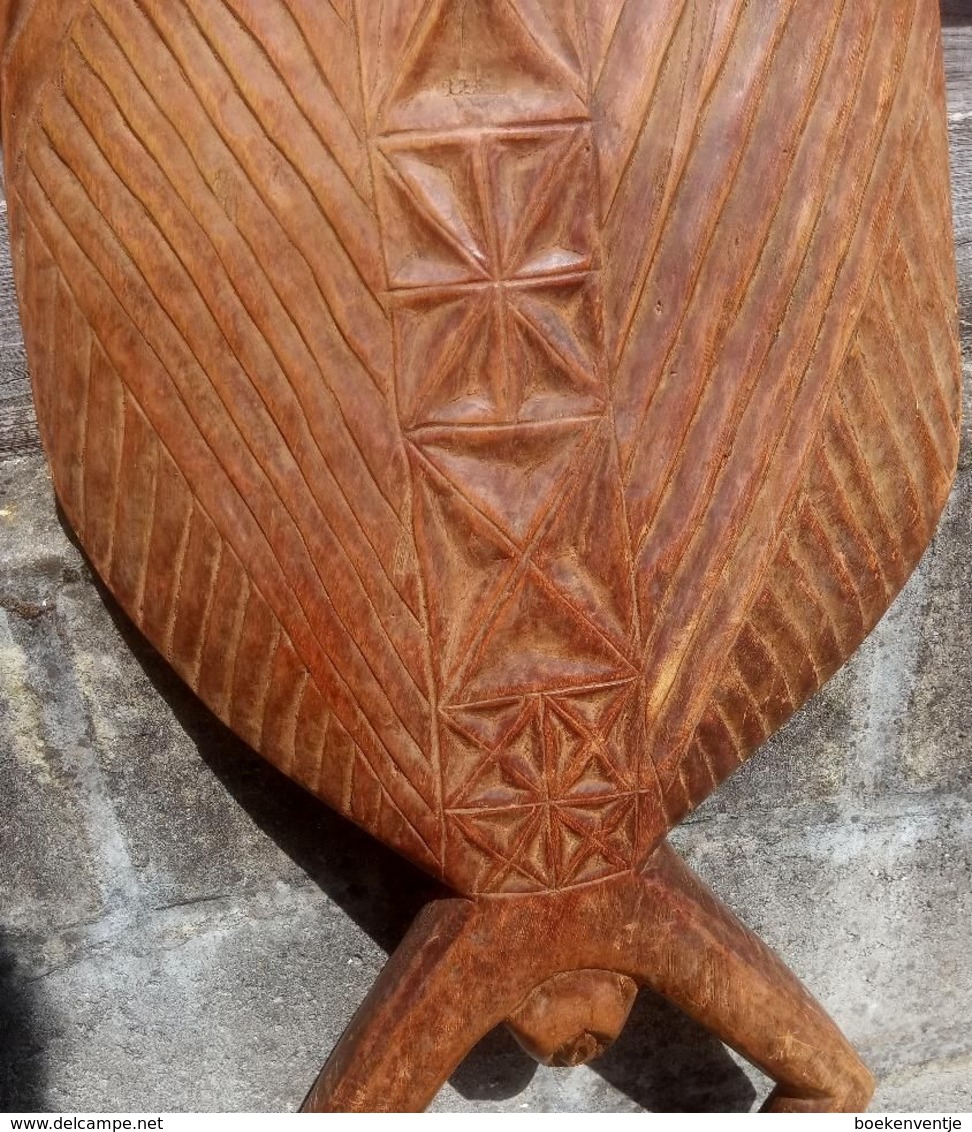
63 239
144 185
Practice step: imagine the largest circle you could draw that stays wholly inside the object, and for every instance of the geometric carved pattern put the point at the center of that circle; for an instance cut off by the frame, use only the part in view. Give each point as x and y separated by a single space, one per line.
498 322
494 274
529 459
874 489
544 786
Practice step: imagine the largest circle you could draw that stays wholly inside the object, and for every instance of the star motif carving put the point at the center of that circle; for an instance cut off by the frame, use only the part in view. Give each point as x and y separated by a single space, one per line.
545 785
496 312
495 292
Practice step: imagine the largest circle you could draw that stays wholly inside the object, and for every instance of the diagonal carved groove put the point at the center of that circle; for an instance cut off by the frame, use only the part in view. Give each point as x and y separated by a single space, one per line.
275 248
503 413
289 413
225 502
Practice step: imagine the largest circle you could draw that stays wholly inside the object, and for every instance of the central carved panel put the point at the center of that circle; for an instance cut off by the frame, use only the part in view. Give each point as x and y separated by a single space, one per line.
491 254
490 231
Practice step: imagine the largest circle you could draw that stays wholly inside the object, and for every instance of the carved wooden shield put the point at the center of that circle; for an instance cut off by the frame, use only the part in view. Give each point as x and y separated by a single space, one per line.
503 413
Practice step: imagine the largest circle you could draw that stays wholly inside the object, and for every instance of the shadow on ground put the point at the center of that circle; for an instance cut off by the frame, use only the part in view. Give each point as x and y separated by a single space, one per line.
666 1062
663 1061
22 1064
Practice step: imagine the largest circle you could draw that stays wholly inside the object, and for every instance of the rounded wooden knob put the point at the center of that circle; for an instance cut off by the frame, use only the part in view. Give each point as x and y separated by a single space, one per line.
574 1017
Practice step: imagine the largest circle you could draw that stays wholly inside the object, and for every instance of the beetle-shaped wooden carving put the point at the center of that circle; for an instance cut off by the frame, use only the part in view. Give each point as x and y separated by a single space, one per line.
504 414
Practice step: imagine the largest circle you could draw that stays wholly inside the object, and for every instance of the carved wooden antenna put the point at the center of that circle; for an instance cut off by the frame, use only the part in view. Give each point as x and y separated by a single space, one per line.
504 414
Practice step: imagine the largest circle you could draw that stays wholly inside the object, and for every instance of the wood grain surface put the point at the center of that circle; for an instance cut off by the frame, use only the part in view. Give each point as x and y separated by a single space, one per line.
480 427
503 414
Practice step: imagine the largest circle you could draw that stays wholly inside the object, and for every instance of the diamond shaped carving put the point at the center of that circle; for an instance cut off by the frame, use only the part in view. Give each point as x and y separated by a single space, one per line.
503 204
595 840
509 474
501 377
519 45
603 762
500 354
537 642
433 212
493 755
550 773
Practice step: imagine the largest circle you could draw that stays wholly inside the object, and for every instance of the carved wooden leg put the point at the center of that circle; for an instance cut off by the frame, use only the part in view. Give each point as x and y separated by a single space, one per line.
560 968
465 967
699 956
435 998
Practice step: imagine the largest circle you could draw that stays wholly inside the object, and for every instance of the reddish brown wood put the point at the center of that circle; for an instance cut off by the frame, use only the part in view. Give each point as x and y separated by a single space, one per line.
468 965
504 414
